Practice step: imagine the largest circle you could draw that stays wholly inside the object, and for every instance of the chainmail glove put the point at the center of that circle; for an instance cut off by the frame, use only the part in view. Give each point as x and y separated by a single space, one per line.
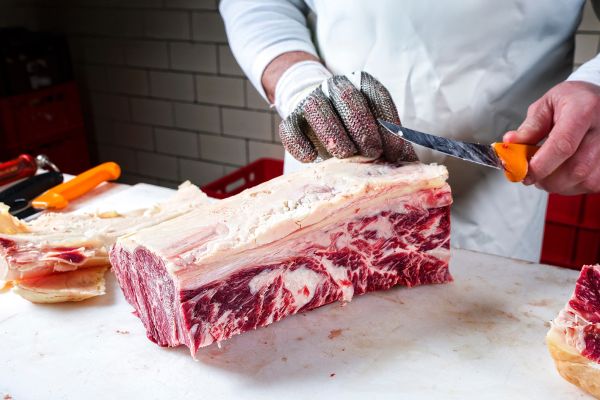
338 118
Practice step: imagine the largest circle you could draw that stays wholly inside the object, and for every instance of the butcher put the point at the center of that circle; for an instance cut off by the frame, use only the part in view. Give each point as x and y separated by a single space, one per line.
478 71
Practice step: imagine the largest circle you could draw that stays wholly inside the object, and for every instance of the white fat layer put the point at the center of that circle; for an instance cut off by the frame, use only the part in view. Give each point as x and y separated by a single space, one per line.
277 209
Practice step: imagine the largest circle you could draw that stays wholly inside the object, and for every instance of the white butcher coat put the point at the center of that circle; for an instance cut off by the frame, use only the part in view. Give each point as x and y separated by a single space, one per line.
465 69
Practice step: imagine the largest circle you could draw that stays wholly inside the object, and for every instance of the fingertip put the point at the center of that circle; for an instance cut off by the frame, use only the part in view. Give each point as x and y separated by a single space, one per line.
509 137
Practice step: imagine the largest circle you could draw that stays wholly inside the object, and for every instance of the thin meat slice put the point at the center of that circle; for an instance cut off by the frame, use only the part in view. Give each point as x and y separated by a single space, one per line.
59 287
574 338
338 229
57 243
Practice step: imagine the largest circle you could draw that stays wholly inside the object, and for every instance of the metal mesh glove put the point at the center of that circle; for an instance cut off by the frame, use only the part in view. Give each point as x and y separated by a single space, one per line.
339 119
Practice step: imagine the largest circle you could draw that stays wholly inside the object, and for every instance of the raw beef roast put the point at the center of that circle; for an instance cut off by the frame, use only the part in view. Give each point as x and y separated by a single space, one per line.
574 338
40 258
334 230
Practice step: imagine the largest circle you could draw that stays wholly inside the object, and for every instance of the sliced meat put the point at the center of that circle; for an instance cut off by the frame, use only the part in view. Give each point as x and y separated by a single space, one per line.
60 242
574 337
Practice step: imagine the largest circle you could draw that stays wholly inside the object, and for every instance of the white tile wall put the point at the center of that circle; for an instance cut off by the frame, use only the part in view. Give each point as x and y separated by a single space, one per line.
110 106
133 135
227 63
157 165
586 47
146 54
167 24
156 112
126 80
199 172
247 124
178 143
223 149
208 27
196 57
192 4
172 85
220 90
197 117
258 150
167 99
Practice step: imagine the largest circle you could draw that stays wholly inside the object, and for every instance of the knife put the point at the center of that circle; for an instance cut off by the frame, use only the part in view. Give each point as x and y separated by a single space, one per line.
59 196
513 158
20 194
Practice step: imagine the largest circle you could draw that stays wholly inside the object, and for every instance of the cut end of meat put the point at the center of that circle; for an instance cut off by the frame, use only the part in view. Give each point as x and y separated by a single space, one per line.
338 229
574 338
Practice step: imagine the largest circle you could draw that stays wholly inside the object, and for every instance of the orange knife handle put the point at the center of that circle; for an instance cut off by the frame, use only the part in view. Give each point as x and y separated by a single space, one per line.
59 196
515 159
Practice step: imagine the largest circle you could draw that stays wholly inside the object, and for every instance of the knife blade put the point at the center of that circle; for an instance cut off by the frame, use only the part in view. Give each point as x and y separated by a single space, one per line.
59 196
20 194
513 158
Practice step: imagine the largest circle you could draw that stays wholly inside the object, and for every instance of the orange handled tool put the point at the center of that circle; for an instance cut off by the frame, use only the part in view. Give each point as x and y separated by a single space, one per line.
59 196
515 159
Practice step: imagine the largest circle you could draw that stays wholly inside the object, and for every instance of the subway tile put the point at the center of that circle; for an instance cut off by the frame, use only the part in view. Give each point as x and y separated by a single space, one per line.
146 54
192 4
167 24
105 51
590 21
199 172
172 85
122 156
102 21
208 27
221 149
127 80
227 62
586 47
276 121
258 150
220 90
247 124
157 165
168 183
197 117
152 111
110 106
133 135
132 179
254 99
103 130
92 76
179 143
195 57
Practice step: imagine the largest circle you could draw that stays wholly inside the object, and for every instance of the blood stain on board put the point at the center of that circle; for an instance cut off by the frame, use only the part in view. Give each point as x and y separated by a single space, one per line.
334 333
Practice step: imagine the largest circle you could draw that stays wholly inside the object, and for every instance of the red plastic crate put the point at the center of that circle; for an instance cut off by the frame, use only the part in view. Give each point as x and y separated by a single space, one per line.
564 209
246 177
559 244
591 212
588 247
39 117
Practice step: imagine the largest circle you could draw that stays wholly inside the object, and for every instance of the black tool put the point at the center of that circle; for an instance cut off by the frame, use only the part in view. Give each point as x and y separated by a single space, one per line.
18 196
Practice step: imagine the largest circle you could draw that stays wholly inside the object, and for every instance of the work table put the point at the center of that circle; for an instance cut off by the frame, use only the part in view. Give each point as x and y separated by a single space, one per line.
480 337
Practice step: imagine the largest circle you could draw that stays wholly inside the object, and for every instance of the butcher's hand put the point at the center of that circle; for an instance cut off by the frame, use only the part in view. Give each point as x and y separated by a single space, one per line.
568 117
325 115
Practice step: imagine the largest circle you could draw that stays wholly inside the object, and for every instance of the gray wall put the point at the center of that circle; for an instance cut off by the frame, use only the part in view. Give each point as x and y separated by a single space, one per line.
162 93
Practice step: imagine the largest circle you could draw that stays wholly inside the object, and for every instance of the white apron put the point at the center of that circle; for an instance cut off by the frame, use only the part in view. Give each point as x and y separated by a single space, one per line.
466 70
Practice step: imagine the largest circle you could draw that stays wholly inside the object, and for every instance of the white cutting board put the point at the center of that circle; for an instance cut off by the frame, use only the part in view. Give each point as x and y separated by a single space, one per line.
481 337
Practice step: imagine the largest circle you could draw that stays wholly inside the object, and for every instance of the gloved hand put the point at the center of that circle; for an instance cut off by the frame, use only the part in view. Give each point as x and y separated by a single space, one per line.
336 116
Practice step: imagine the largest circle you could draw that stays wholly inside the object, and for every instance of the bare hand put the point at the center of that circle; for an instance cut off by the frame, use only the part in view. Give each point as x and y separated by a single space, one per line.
568 162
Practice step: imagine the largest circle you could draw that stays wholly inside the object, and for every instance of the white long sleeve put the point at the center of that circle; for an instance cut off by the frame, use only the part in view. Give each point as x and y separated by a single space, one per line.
260 30
588 72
